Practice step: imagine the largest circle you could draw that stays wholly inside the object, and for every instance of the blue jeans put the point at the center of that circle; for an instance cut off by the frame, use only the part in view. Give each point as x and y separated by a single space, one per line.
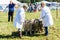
46 31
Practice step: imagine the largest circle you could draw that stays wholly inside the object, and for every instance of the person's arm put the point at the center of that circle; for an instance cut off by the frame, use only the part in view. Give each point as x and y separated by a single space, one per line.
14 3
22 16
6 7
42 15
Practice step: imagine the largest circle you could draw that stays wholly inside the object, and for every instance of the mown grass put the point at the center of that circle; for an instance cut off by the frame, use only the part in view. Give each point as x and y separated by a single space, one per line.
6 28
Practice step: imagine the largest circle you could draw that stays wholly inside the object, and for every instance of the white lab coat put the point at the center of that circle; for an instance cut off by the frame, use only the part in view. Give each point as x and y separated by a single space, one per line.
46 16
20 18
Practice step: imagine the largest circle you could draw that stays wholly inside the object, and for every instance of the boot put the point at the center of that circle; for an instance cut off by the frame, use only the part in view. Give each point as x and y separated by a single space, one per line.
20 34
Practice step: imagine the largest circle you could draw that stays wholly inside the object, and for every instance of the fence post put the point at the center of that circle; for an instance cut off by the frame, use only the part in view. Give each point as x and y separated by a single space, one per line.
57 10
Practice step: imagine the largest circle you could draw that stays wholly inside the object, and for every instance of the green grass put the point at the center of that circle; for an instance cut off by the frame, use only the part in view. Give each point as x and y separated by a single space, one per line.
6 28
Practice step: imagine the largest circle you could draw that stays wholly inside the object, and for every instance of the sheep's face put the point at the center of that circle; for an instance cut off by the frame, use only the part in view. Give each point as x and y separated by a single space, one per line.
27 22
28 25
36 21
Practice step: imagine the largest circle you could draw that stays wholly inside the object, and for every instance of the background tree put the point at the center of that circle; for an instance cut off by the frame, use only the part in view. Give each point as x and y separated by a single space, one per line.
33 1
25 1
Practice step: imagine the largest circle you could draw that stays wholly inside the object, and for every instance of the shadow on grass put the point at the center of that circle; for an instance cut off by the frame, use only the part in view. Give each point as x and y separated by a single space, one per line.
1 21
13 35
16 35
8 36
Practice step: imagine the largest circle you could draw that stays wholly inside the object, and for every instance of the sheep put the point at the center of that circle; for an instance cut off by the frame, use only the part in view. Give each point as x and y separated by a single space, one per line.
37 25
40 26
27 27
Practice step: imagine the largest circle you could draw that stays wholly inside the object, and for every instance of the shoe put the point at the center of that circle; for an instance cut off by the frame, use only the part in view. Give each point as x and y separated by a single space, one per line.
20 34
46 34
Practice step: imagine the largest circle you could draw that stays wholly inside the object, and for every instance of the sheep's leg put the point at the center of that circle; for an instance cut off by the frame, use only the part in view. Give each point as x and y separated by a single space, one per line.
26 32
30 33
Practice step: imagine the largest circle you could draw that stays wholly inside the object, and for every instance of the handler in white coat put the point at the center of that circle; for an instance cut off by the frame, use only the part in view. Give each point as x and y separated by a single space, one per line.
46 16
19 19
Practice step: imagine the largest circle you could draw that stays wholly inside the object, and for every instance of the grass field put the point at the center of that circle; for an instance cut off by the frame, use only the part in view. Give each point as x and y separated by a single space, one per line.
6 28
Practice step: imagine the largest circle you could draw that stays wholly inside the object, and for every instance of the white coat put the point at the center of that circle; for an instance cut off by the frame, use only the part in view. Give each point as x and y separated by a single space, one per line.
20 18
46 16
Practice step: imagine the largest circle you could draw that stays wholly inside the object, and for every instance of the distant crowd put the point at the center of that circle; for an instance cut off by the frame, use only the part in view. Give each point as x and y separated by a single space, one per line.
33 7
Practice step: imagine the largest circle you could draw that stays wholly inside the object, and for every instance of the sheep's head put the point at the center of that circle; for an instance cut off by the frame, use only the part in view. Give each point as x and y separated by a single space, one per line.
36 22
27 22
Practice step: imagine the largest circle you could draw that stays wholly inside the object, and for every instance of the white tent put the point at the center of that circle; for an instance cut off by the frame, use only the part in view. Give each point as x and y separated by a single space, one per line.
7 1
4 3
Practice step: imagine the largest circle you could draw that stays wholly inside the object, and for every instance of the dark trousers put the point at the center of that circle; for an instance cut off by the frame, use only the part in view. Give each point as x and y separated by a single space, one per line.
46 30
10 16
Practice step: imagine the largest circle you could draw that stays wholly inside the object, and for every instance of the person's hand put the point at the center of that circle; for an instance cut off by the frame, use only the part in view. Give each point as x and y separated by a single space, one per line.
40 19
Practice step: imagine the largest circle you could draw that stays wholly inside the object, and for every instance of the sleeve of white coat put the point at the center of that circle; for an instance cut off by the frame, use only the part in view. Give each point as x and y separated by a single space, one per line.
42 14
22 16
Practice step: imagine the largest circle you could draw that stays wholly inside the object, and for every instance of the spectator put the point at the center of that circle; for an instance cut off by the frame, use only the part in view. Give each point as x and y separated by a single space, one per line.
11 11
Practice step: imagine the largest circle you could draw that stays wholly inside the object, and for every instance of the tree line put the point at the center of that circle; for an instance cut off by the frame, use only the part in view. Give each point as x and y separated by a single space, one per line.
33 1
